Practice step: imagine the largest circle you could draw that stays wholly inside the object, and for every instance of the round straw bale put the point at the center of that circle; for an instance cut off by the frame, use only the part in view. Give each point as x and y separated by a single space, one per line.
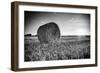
48 33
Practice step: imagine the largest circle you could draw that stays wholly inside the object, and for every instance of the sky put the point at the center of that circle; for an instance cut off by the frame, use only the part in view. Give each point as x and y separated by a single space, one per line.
69 23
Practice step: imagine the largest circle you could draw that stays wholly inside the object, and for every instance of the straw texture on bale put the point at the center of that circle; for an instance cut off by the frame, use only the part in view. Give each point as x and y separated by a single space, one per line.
48 33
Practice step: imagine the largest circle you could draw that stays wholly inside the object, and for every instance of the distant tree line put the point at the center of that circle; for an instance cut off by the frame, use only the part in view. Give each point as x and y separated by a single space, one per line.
30 35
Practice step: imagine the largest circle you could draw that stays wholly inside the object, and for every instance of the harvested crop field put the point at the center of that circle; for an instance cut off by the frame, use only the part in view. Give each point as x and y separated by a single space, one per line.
69 47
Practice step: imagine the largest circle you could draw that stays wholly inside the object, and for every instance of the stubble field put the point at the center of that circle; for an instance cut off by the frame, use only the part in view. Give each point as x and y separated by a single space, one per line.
69 47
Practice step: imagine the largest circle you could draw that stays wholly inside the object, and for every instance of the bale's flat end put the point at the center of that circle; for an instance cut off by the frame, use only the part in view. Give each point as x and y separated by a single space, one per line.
49 32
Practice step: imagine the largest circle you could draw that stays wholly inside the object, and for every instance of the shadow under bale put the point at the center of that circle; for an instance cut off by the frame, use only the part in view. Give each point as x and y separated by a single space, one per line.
48 33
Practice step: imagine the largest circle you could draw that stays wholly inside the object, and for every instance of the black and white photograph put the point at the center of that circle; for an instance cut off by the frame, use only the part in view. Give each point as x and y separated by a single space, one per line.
56 36
53 36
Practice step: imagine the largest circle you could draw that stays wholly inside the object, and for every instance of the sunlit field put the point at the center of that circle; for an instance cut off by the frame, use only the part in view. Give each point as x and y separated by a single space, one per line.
67 48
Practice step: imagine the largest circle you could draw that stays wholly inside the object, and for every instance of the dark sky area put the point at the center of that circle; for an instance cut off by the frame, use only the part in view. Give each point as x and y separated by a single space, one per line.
69 23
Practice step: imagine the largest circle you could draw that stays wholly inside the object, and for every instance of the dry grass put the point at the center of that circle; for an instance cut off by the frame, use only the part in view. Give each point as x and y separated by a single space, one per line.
66 48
